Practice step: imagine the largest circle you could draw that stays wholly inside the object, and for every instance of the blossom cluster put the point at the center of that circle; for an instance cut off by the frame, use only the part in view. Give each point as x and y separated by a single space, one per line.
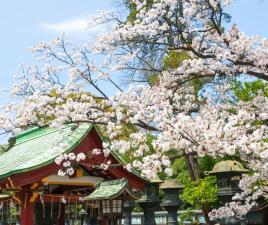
66 160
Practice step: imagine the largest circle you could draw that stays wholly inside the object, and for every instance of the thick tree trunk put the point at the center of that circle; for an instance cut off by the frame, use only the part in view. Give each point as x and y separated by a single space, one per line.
192 165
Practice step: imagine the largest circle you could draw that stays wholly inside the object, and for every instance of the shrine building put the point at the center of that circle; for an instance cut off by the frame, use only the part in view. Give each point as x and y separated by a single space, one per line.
32 193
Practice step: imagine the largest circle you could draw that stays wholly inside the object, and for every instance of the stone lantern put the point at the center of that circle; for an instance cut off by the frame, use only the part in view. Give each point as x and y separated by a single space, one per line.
228 174
171 189
150 200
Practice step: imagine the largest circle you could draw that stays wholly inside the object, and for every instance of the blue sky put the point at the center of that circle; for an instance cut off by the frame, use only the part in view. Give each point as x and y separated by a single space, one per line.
23 23
26 22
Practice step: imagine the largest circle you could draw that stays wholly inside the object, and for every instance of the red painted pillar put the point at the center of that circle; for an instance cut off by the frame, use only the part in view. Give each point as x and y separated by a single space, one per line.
27 213
27 209
61 220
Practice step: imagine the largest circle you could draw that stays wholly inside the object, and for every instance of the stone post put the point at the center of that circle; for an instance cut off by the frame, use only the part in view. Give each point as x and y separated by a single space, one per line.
128 207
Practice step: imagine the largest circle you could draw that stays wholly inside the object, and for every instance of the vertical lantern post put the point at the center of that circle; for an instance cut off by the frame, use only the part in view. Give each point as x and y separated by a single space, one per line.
128 207
171 189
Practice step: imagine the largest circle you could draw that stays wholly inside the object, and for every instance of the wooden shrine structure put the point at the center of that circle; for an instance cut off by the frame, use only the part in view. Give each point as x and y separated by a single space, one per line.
31 192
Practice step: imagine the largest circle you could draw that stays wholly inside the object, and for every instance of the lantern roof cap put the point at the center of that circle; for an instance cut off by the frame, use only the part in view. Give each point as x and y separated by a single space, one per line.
171 184
228 166
107 190
156 180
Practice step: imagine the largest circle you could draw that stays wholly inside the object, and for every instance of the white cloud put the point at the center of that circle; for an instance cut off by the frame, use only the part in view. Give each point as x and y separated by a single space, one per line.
69 26
73 27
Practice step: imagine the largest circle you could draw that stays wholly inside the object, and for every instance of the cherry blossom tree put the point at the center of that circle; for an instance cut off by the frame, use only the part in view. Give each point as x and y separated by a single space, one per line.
165 117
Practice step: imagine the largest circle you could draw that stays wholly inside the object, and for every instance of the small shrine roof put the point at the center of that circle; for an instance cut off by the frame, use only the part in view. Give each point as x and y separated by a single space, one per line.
110 189
32 149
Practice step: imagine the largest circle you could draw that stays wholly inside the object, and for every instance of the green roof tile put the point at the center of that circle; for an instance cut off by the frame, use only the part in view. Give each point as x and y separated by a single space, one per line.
32 148
110 190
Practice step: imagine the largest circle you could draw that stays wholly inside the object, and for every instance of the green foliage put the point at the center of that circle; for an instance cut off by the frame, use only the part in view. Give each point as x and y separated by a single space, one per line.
205 164
248 90
196 193
132 16
197 84
188 216
126 130
200 193
180 170
128 156
132 12
173 59
137 208
153 80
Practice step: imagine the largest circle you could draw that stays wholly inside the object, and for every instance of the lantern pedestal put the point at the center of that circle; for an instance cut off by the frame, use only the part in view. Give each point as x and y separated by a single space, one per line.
172 210
149 212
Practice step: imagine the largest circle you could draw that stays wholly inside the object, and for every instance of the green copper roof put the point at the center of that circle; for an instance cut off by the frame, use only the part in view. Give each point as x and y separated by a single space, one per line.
110 190
32 148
